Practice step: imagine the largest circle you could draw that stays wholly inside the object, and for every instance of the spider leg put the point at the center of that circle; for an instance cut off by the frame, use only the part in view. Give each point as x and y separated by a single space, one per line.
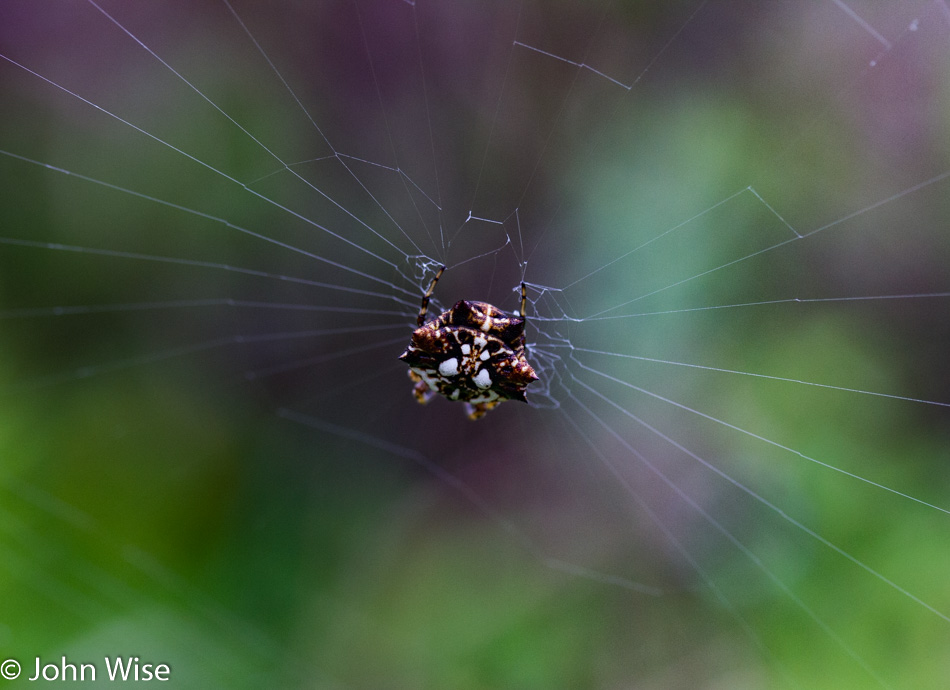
479 410
425 298
523 307
421 390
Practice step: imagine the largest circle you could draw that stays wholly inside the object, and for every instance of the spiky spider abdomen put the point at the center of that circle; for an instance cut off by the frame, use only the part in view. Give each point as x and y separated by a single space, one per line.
473 353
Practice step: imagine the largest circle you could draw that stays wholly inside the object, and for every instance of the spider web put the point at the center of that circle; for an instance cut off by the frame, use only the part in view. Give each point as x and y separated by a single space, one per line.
220 221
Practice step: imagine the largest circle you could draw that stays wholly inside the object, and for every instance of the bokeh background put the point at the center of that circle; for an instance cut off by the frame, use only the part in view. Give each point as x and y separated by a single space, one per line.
210 458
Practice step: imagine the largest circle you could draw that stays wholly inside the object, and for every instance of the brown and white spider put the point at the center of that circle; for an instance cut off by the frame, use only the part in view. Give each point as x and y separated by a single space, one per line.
473 353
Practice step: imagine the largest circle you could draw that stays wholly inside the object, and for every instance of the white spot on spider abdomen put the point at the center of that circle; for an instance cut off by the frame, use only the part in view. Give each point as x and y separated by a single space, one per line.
449 367
466 349
485 355
482 379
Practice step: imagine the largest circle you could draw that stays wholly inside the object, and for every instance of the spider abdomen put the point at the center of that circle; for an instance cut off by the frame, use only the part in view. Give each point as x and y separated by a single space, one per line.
474 353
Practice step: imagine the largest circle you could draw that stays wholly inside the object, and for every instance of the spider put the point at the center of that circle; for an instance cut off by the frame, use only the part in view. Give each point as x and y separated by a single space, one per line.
473 353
